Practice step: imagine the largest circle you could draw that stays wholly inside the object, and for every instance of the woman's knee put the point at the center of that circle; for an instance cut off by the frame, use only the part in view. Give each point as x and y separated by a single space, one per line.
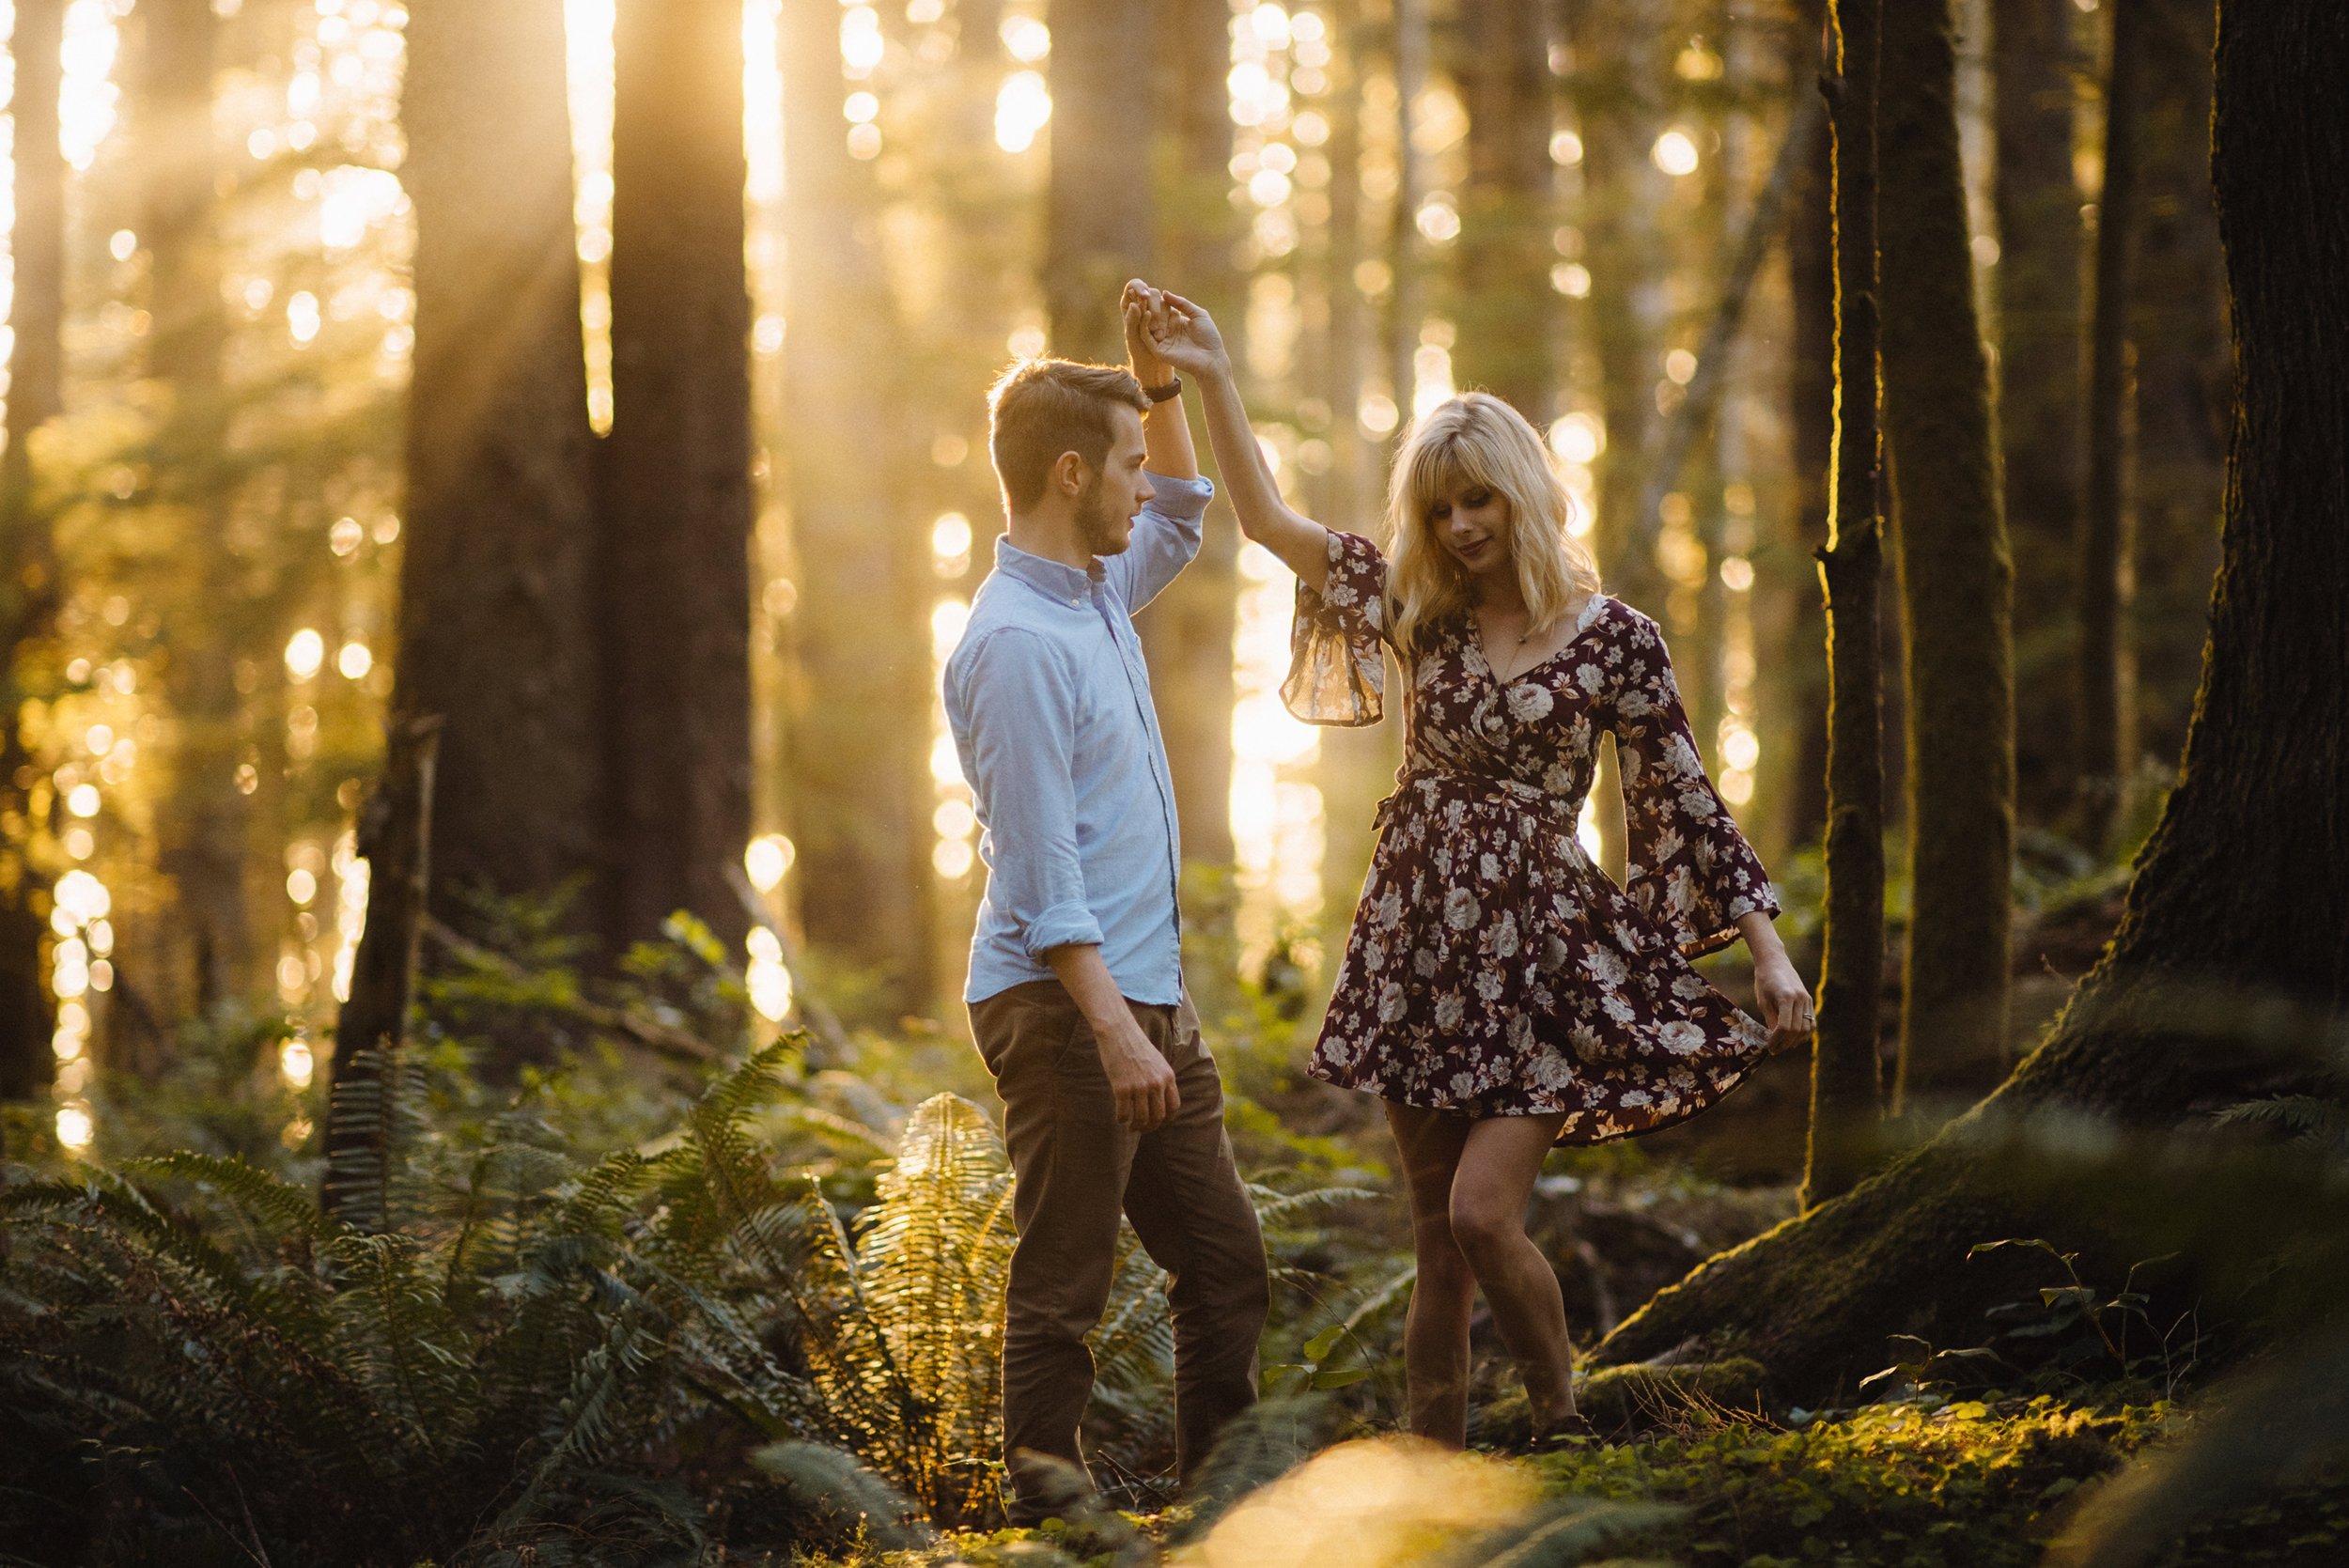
1485 1230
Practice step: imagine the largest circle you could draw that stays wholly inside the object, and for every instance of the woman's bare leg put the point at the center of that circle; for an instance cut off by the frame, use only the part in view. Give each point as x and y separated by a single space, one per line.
1491 1183
1436 1334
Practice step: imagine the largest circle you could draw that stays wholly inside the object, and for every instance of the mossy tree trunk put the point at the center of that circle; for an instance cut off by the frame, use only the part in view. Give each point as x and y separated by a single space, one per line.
497 622
1097 209
859 730
1187 631
1504 307
1949 544
2104 528
2038 284
2178 322
1786 600
674 502
2228 966
29 568
1622 48
1407 252
1846 1079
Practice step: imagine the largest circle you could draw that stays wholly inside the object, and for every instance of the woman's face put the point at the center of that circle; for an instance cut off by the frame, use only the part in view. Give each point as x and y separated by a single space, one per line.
1470 520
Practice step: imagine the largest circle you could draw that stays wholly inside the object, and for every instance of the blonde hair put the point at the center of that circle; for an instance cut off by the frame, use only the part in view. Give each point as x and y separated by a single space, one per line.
1479 440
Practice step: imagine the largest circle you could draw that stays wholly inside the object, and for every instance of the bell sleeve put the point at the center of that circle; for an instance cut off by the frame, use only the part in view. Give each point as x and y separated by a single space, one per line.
1689 868
1337 666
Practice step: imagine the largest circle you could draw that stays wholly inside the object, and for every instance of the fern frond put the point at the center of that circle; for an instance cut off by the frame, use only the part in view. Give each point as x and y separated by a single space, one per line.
2308 1120
292 1208
847 1501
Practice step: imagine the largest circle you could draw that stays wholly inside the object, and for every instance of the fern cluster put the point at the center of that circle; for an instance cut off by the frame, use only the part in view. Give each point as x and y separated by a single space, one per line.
494 1349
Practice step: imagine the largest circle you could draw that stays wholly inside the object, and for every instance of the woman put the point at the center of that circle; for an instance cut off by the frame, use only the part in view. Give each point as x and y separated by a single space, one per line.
1498 991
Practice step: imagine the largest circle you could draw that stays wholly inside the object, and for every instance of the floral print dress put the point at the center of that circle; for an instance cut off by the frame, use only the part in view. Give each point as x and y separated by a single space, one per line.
1492 968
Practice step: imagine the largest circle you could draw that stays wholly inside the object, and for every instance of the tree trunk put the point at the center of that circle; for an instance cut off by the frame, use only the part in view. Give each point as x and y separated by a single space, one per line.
1097 229
1620 50
202 820
1949 544
395 838
1506 306
2178 322
2229 965
1406 296
2105 504
860 728
1187 632
2038 285
29 567
1845 1076
674 502
497 624
1794 700
1355 767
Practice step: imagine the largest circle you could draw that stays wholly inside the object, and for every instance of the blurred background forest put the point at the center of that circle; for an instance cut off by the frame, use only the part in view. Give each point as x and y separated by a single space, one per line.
373 360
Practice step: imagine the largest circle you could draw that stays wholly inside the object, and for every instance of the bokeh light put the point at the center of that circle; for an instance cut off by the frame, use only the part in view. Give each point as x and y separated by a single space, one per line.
306 651
766 861
1023 105
1674 153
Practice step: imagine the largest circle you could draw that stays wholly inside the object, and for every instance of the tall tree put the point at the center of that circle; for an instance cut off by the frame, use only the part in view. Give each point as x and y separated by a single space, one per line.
2038 286
1793 682
1098 210
28 568
2104 727
1619 49
1357 767
203 820
2228 968
497 622
1505 304
2178 322
1845 1083
1950 545
1187 632
674 502
1407 258
859 727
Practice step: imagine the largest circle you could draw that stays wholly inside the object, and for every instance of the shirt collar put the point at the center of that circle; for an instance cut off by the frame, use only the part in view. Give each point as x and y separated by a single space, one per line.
1052 579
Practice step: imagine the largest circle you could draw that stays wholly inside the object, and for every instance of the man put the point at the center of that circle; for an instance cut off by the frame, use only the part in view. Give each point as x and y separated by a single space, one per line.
1111 1099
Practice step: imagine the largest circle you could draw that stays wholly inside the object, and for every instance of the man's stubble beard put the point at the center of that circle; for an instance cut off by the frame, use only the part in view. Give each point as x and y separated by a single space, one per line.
1100 527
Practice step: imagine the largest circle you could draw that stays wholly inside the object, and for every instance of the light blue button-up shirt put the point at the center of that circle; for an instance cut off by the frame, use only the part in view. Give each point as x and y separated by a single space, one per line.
1049 701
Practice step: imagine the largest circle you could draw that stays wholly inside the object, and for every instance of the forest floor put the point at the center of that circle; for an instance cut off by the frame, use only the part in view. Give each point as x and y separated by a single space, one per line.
1923 1483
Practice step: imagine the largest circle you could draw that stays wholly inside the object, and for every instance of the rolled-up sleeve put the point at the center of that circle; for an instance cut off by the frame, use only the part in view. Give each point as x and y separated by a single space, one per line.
1018 712
1166 539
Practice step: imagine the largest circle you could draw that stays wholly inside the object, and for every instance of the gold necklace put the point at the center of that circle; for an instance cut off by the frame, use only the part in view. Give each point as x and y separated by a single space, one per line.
1484 646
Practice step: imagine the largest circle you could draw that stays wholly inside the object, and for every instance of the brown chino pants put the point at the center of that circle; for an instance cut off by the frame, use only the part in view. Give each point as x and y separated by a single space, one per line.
1074 1170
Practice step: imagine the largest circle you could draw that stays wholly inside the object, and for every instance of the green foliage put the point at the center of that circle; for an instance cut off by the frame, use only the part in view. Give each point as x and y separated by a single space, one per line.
1964 1483
487 1353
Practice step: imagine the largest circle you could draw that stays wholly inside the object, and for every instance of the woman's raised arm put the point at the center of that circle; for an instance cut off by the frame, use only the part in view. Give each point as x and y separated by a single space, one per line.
1186 337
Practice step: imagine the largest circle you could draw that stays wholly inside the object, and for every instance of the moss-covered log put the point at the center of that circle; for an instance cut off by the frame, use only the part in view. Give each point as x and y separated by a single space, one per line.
2230 951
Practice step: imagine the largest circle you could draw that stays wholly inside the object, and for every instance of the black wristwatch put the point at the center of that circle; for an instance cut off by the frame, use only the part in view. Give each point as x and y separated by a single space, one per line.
1161 394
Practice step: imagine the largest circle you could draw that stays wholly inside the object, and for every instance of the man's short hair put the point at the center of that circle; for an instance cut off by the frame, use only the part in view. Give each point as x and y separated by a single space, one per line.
1041 408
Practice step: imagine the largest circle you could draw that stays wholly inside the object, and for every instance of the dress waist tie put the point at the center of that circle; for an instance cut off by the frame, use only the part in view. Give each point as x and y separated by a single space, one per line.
1436 785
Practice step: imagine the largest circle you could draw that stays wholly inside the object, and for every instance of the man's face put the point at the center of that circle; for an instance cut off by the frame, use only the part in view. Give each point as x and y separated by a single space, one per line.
1105 512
